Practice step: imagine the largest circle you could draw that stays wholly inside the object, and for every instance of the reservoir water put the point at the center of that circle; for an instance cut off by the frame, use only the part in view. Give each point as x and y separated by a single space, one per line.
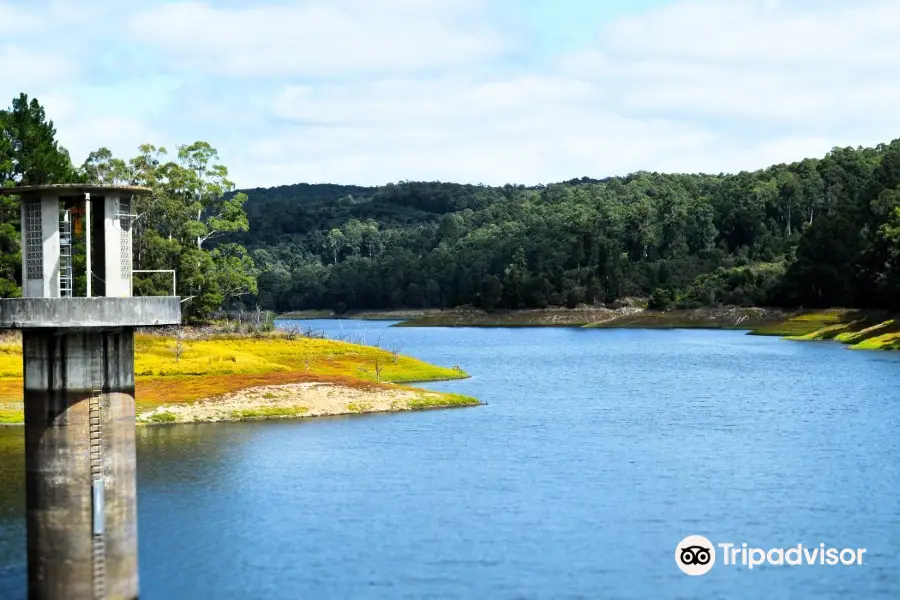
598 451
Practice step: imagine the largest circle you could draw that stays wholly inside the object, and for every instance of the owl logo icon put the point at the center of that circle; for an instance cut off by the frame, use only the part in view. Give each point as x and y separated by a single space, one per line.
695 555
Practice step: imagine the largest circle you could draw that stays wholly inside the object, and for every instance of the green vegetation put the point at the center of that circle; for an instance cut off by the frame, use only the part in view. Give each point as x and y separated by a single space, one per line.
445 400
811 234
211 366
162 417
182 225
815 233
11 416
890 341
802 236
804 323
273 412
858 329
864 332
851 336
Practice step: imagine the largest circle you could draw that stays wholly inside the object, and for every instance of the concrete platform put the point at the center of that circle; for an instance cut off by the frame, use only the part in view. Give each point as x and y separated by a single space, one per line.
39 313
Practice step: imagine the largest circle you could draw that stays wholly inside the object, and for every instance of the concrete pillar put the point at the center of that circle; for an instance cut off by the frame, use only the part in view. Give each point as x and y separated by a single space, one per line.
118 246
79 427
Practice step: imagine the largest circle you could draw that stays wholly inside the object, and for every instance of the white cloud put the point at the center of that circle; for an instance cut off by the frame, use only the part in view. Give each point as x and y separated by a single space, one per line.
118 116
24 20
318 38
695 86
22 67
752 32
824 66
498 131
539 135
122 135
440 103
356 91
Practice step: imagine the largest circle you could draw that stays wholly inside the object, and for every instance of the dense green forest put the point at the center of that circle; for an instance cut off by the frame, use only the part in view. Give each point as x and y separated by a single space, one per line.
818 232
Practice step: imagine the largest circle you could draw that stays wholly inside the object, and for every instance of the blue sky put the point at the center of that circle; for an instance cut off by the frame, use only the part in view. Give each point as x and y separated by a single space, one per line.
479 91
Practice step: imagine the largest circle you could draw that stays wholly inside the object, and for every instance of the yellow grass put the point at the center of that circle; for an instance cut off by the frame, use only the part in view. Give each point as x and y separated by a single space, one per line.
11 416
805 323
208 368
887 341
855 337
859 330
155 356
10 359
825 333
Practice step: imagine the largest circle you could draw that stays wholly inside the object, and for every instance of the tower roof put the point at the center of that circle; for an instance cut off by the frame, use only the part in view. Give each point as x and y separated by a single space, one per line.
70 189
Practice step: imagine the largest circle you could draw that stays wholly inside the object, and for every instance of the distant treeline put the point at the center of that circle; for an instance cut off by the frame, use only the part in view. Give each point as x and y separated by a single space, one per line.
819 232
816 233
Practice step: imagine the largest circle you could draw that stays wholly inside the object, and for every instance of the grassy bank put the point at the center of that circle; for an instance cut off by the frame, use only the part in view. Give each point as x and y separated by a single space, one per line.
857 329
173 372
802 323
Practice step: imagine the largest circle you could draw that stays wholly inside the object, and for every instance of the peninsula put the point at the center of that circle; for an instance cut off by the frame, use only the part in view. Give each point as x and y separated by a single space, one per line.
192 376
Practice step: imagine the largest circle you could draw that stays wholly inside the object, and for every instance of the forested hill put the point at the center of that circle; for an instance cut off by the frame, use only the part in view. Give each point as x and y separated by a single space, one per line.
293 209
303 208
818 232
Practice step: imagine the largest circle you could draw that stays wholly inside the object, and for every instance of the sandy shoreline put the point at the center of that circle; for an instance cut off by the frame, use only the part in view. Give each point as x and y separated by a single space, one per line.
300 400
294 401
583 316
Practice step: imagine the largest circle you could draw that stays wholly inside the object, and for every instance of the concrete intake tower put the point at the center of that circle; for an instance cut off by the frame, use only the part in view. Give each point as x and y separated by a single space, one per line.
77 317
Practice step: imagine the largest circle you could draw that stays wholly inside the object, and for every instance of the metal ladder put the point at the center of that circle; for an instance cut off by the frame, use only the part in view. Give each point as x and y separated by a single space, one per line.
66 280
98 541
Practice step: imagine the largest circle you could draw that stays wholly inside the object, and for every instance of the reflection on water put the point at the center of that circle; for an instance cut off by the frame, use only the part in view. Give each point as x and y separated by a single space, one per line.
598 451
12 511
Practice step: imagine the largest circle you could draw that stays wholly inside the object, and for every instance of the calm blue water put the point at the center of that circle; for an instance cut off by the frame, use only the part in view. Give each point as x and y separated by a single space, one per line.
598 451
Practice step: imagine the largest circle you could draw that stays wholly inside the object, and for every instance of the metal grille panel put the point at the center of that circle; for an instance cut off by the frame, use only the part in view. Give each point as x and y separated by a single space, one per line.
123 211
34 240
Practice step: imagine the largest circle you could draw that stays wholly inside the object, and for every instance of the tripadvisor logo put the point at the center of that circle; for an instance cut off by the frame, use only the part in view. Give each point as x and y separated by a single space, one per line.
696 555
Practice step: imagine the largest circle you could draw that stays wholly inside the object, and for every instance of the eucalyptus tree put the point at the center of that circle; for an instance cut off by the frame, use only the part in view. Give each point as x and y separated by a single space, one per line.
180 225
